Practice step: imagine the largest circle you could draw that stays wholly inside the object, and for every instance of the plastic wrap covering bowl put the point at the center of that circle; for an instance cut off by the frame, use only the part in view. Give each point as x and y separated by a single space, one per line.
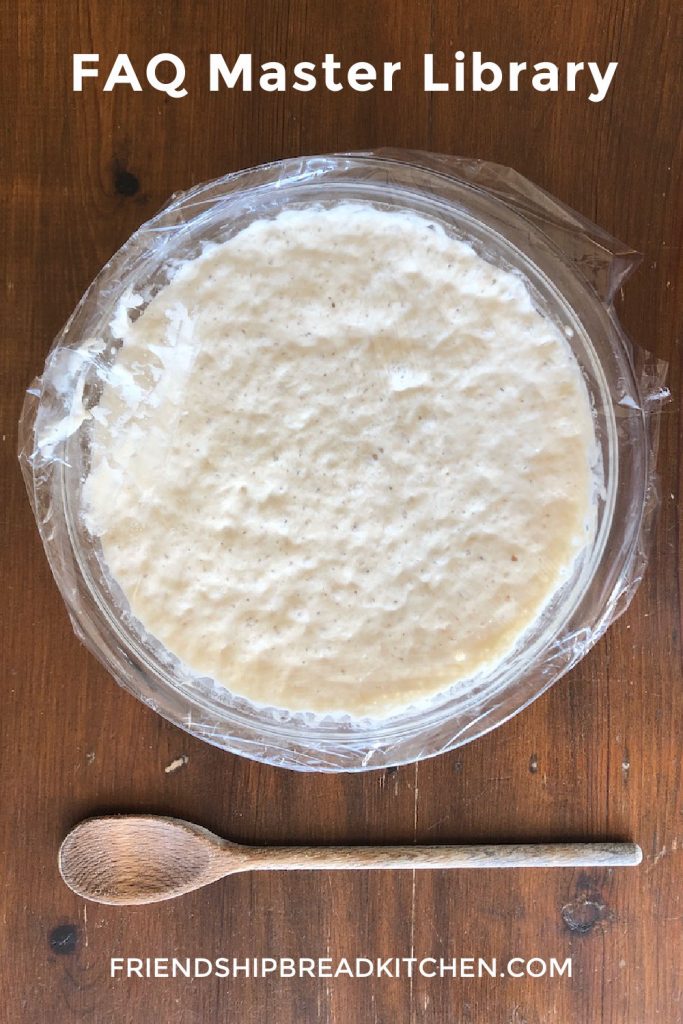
572 270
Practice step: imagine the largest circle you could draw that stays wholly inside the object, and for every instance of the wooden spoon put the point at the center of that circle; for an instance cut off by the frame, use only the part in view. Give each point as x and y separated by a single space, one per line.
134 859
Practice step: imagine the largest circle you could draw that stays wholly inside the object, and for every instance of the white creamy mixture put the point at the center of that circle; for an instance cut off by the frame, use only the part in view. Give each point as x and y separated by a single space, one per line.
341 461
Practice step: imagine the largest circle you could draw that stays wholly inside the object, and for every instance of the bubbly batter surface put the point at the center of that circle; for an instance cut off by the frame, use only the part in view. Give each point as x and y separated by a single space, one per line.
341 462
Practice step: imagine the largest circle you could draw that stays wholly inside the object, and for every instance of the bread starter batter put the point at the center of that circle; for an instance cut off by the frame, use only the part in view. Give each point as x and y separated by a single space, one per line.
341 461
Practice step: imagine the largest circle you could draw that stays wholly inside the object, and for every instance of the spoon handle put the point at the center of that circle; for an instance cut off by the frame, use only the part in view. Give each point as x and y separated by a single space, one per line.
538 855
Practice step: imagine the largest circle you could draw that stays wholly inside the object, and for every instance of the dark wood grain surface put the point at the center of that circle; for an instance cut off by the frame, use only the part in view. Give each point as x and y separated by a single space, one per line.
598 757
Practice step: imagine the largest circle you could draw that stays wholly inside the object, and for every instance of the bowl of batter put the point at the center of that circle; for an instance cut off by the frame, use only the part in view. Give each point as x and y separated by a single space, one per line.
335 449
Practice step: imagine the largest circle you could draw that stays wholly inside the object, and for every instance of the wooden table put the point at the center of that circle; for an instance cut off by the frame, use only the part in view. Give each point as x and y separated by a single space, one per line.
598 757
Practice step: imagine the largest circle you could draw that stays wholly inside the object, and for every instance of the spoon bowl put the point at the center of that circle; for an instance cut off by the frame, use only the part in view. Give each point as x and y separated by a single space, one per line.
142 858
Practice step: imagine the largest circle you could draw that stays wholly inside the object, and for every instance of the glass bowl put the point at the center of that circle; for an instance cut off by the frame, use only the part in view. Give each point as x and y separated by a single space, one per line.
571 270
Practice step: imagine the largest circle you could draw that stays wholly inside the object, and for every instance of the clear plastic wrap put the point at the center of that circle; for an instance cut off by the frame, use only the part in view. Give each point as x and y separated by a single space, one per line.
573 270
